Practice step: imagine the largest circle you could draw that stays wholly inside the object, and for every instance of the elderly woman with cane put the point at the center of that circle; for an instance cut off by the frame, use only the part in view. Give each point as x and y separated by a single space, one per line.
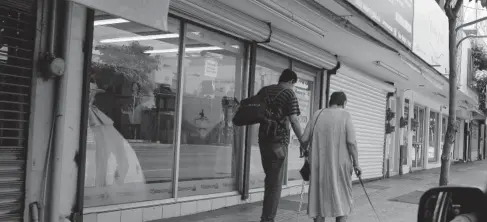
332 157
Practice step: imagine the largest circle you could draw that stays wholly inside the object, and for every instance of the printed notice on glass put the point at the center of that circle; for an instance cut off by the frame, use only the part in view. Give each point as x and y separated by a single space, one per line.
211 67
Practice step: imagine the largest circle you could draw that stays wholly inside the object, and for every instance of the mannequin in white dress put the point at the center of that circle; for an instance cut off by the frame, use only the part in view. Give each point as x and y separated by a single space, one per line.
116 161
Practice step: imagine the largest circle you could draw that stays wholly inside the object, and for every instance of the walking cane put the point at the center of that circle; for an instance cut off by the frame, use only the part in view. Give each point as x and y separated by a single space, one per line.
367 195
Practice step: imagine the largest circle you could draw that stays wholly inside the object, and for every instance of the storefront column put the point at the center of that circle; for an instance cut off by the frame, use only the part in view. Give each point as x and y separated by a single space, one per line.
64 169
409 132
426 137
440 132
396 161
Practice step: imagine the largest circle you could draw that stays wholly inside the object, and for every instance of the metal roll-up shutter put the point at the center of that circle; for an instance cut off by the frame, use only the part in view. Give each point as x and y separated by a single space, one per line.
220 16
17 38
367 105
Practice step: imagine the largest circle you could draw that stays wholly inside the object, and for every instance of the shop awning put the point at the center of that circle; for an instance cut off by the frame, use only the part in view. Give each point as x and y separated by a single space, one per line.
478 114
150 13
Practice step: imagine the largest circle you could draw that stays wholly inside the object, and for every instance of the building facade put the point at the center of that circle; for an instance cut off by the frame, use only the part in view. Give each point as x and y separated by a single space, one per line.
137 127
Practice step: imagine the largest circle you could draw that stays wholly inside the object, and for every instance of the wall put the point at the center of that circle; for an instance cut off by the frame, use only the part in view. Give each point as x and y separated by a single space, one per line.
42 117
41 114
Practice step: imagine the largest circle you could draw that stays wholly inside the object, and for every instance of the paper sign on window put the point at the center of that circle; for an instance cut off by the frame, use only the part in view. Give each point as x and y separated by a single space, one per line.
211 68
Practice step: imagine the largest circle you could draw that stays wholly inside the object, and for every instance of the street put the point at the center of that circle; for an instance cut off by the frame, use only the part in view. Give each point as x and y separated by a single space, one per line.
396 199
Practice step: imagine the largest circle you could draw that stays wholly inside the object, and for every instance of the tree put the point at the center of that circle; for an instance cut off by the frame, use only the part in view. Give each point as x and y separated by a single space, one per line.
452 8
126 63
126 73
479 55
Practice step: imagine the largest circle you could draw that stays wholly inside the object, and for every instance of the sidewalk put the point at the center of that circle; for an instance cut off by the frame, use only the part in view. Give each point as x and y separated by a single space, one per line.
396 199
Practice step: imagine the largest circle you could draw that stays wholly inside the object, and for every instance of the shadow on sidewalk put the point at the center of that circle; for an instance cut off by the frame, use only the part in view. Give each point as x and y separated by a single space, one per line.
395 198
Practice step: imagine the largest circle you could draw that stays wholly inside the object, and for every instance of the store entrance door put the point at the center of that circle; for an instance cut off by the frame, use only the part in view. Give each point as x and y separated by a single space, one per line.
474 141
482 141
418 130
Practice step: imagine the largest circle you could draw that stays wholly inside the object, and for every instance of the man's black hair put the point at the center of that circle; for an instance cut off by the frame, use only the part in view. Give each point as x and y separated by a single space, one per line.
288 75
338 99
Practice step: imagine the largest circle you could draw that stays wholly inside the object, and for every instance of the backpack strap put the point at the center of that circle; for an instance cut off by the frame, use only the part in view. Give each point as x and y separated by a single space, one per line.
279 93
275 97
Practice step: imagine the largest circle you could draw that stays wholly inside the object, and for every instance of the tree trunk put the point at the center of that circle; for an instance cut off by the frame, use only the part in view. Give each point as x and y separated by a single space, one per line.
452 128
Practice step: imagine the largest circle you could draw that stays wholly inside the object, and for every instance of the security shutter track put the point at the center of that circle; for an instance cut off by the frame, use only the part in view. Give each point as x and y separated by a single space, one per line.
17 34
367 105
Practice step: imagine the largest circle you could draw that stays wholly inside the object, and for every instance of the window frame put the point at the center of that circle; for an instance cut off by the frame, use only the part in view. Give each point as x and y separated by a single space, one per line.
241 140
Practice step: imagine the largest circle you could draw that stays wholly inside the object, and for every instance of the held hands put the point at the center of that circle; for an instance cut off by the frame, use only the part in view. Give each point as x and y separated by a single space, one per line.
303 150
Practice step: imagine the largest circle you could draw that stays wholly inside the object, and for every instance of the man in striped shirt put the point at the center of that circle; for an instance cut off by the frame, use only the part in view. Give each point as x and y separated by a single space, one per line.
273 148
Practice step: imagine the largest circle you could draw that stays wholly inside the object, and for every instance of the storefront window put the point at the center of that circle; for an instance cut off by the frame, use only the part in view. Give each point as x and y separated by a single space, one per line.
417 129
433 137
405 133
304 90
212 80
131 113
267 71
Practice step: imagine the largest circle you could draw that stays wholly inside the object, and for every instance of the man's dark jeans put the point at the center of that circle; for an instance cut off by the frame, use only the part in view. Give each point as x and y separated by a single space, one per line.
273 156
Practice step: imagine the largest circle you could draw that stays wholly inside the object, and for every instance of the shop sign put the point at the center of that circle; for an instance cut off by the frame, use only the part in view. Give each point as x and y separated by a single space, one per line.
146 12
395 16
431 34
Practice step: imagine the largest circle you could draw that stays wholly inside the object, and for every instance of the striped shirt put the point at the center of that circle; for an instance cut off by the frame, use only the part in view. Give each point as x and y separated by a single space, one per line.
285 100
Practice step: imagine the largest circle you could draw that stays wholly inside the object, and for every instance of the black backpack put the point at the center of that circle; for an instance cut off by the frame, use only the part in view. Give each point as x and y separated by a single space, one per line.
257 109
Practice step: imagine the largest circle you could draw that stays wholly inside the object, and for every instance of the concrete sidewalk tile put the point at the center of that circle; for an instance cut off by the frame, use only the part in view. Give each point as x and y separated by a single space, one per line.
232 201
218 203
89 218
188 208
203 206
132 215
171 210
109 216
152 213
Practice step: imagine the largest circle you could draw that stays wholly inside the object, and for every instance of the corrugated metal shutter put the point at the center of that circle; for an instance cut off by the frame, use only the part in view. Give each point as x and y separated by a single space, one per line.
225 18
367 105
17 35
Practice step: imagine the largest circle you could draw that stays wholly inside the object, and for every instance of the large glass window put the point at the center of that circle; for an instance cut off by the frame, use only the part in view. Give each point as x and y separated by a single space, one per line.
405 133
417 129
130 141
304 90
267 71
433 137
212 79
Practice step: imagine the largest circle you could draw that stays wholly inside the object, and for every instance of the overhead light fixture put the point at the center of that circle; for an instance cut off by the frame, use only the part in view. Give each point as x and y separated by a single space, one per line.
439 94
381 64
195 49
287 15
140 38
410 64
109 21
433 81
